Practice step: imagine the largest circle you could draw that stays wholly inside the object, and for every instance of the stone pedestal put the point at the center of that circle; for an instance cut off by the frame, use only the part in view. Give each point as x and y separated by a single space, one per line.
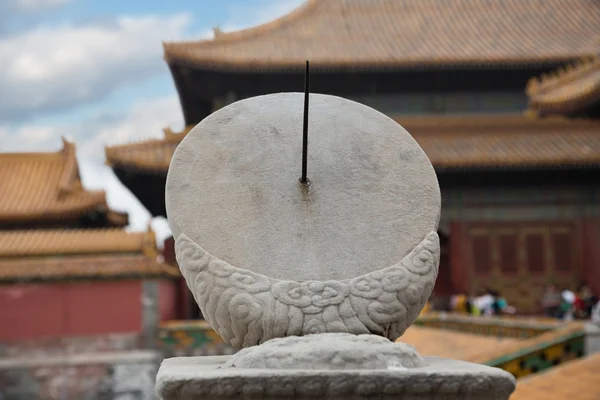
313 279
330 366
592 338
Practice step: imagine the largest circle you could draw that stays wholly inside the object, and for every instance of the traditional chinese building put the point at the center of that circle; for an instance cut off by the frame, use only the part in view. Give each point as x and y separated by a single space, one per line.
520 190
67 266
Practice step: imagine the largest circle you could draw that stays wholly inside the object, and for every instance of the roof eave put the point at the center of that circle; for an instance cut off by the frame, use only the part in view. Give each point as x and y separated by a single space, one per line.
477 166
96 201
567 106
294 66
463 166
88 278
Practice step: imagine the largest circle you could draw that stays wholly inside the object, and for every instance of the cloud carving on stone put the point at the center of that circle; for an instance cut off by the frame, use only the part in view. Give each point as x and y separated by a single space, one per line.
247 309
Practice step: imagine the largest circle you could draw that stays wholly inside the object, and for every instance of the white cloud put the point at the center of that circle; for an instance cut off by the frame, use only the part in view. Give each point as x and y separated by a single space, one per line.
100 177
28 138
36 5
33 136
51 69
22 13
12 8
160 226
57 69
144 120
48 69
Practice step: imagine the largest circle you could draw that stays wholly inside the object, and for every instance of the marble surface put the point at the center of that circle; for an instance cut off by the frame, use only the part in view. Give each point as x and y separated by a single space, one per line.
265 256
204 378
314 281
247 308
330 351
233 188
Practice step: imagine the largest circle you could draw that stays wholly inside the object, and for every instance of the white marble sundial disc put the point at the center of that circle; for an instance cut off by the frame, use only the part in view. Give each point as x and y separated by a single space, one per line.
233 188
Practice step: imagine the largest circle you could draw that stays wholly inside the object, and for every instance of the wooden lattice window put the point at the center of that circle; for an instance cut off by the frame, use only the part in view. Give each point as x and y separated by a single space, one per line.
482 254
534 245
508 253
562 248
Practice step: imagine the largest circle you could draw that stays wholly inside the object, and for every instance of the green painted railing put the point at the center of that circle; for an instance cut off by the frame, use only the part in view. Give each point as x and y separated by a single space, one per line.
500 327
558 347
185 338
543 343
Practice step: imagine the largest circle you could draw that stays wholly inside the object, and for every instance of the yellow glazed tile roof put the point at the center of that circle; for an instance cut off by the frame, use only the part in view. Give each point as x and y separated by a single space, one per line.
47 186
477 141
568 90
375 33
81 267
575 380
39 242
483 348
74 254
507 141
151 155
456 345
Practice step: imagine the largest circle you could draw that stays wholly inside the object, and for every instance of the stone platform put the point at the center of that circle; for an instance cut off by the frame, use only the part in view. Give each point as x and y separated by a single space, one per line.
330 366
187 378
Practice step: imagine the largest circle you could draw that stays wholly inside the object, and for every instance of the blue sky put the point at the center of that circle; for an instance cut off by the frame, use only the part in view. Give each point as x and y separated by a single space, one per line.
92 71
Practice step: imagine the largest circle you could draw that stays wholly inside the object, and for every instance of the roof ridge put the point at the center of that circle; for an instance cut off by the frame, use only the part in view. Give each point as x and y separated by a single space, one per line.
567 90
562 75
46 186
358 34
68 180
246 33
31 154
170 135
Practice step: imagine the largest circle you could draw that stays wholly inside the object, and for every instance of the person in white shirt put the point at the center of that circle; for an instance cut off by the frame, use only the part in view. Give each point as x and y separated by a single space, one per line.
485 303
595 317
568 303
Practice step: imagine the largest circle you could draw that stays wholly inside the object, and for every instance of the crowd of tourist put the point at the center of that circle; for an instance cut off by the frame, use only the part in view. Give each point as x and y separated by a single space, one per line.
568 305
563 304
487 302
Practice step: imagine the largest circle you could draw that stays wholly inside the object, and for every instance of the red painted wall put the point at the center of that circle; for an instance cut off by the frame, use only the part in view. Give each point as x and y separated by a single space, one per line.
443 284
31 311
459 274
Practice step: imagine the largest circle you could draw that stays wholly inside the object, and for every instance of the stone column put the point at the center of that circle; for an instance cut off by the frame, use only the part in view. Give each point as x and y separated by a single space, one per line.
150 313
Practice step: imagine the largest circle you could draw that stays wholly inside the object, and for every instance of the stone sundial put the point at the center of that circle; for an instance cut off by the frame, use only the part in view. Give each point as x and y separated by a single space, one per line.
313 278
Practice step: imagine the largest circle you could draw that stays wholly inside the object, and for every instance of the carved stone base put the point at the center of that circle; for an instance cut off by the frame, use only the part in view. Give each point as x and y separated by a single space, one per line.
345 367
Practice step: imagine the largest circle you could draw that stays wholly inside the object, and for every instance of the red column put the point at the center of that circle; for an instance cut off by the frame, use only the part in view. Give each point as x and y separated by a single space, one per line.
590 247
458 257
169 251
443 284
183 301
